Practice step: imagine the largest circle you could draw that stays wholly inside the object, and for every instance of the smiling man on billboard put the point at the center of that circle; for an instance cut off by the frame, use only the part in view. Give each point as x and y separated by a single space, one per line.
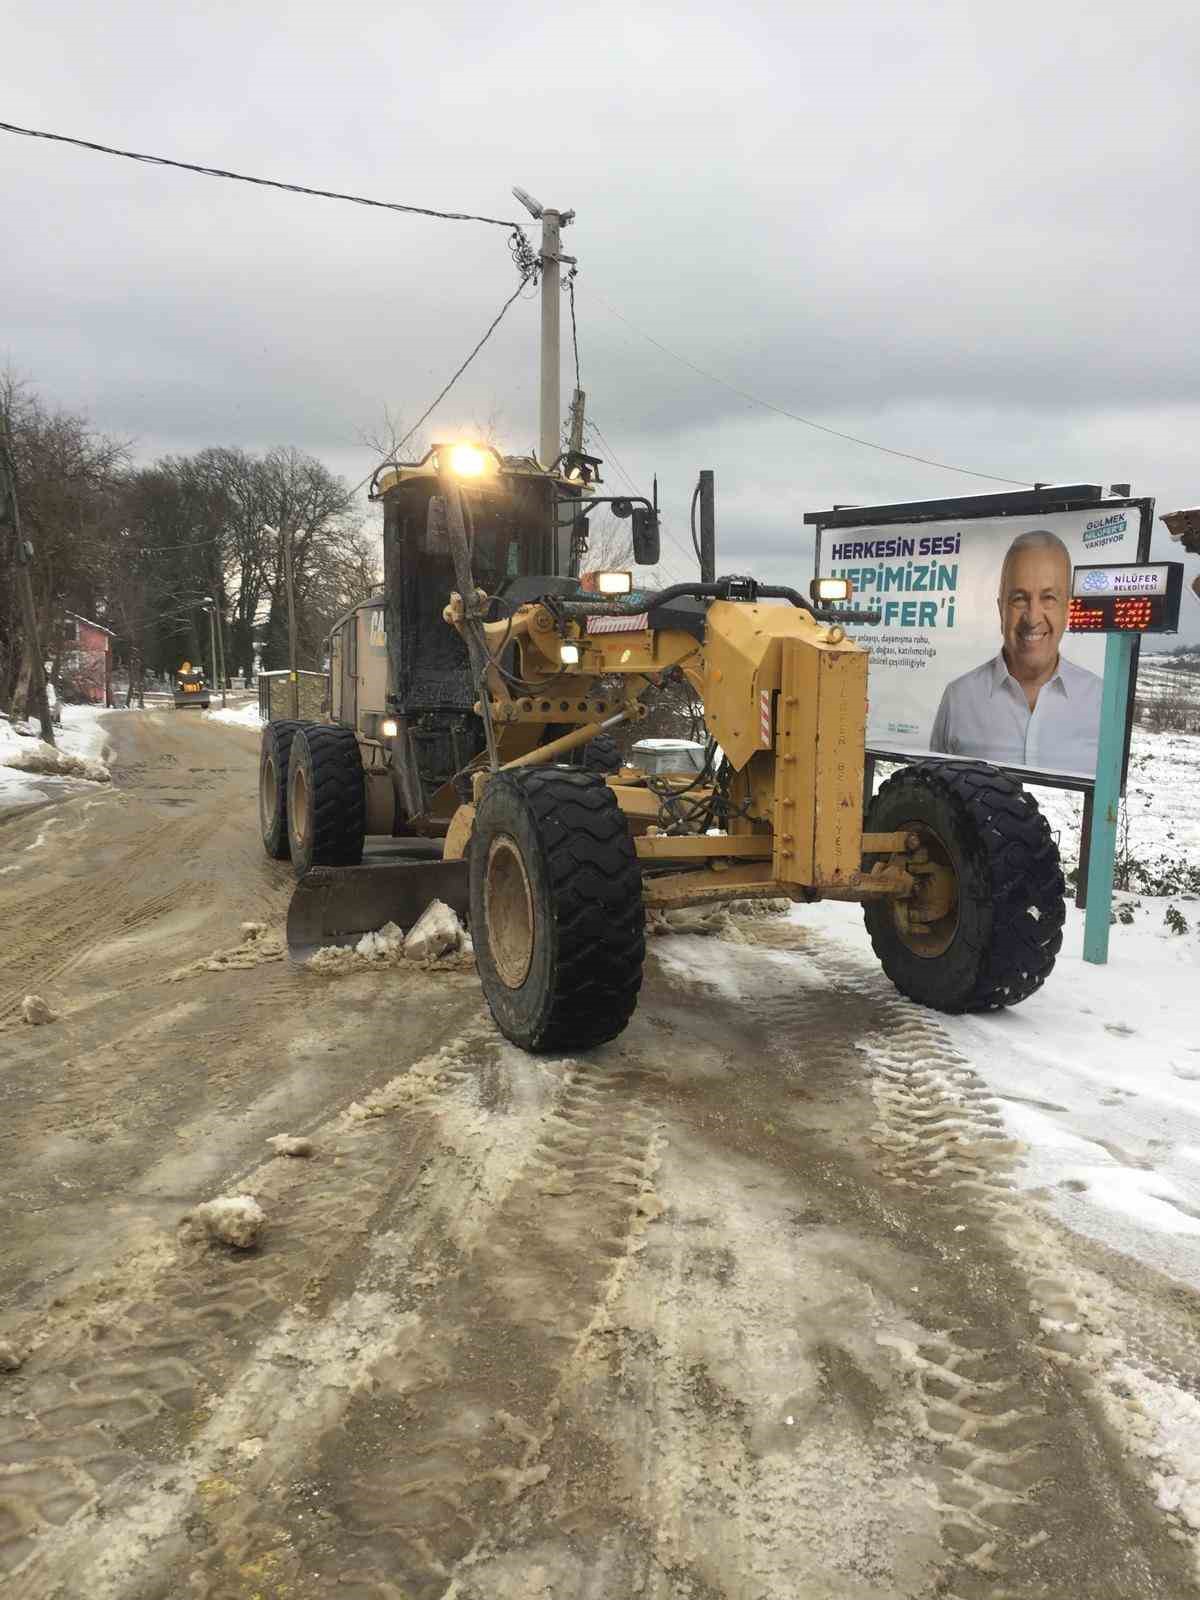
1026 706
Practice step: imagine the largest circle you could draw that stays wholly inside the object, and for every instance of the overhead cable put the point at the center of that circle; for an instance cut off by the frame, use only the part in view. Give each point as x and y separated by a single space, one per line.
396 448
807 422
266 183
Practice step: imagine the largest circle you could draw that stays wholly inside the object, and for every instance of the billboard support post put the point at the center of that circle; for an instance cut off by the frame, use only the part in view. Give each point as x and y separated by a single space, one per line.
1118 659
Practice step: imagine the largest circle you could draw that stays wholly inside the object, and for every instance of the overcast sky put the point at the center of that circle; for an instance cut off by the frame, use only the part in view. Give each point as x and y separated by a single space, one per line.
968 231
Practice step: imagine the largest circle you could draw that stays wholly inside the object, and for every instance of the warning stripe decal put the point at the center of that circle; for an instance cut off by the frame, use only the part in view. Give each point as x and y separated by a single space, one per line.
619 624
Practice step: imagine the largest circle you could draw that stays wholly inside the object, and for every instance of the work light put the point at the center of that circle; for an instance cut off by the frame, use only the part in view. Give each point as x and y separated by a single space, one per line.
826 590
469 461
614 582
568 654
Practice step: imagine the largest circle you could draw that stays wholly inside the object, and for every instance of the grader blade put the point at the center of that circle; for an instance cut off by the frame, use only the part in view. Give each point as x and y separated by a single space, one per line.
337 905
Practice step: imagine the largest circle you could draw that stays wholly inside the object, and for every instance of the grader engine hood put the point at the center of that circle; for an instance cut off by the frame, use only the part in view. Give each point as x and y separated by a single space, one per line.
788 695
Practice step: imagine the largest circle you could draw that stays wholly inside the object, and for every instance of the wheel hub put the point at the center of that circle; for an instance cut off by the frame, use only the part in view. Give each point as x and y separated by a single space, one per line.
928 921
270 789
298 803
508 910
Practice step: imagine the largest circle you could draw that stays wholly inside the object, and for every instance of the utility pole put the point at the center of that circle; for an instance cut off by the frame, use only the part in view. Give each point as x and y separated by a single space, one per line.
550 414
24 555
221 651
290 585
210 606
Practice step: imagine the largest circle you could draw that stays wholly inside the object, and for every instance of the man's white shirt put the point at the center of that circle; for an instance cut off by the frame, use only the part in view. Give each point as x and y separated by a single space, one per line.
985 714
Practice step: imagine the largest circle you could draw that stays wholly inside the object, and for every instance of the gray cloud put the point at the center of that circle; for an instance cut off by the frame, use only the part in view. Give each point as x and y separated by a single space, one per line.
965 231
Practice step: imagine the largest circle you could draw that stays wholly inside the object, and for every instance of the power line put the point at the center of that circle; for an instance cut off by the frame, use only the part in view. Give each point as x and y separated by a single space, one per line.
807 422
266 183
633 488
570 286
396 448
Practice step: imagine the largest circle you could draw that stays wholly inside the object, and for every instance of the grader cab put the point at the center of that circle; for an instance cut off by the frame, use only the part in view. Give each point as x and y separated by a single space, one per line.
493 695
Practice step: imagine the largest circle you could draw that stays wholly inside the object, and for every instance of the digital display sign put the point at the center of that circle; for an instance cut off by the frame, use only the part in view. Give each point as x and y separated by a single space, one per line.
1126 599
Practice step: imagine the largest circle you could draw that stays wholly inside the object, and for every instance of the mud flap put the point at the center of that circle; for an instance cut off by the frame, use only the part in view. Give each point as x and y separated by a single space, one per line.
337 905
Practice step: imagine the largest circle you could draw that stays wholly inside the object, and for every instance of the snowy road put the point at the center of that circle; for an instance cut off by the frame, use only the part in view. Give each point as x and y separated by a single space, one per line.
749 1305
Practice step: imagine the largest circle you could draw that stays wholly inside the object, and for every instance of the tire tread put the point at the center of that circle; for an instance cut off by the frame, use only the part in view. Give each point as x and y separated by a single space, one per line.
1015 867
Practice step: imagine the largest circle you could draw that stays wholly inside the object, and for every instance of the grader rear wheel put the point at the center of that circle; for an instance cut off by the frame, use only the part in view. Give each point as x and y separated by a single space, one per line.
326 799
274 756
986 923
556 908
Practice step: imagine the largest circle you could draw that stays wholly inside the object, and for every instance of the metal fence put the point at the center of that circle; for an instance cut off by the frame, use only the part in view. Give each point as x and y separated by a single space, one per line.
275 695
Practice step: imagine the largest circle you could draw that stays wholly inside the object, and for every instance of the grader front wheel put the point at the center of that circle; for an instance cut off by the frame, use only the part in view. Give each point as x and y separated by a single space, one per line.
556 908
986 924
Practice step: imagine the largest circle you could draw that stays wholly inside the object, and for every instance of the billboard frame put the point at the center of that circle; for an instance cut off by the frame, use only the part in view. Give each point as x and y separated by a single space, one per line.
1040 500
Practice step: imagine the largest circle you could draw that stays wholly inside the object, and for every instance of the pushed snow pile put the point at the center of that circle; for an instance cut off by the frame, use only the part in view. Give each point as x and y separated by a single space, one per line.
437 937
284 1144
235 1219
45 759
258 945
715 920
35 1010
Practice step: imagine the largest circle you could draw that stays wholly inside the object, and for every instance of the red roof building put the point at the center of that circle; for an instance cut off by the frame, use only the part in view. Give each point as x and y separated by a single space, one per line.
85 665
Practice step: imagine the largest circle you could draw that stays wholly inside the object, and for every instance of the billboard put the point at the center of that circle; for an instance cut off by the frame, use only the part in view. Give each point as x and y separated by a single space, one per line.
971 656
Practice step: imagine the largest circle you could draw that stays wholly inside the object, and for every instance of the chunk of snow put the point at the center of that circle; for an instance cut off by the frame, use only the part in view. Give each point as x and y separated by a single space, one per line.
235 1219
382 942
11 1358
436 932
284 1144
35 1010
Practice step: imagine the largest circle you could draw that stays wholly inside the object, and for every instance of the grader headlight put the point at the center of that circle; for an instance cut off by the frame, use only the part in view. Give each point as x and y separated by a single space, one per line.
469 461
568 653
614 582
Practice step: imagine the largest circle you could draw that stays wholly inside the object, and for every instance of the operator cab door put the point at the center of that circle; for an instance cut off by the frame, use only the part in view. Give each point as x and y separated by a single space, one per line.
343 671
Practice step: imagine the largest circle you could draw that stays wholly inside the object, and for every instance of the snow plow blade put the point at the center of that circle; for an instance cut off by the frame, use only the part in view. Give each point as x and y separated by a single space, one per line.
337 905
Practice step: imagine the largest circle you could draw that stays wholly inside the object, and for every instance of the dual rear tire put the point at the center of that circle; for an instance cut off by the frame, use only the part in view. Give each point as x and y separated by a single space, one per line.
311 795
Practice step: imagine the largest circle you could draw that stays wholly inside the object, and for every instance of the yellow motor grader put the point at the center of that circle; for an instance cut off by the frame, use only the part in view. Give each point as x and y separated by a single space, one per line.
497 669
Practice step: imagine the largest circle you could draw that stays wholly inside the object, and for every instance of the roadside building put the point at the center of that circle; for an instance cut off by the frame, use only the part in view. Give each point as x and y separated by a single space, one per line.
85 664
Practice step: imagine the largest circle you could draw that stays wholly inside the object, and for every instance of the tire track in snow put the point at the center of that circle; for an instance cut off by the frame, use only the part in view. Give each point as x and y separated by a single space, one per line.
1006 1393
127 1378
459 1412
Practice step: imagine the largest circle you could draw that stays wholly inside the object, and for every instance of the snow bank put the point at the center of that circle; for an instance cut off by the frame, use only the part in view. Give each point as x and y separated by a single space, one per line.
24 758
35 756
246 716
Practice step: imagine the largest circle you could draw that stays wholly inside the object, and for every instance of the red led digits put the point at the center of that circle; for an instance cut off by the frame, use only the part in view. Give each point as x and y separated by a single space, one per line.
1132 615
1082 618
